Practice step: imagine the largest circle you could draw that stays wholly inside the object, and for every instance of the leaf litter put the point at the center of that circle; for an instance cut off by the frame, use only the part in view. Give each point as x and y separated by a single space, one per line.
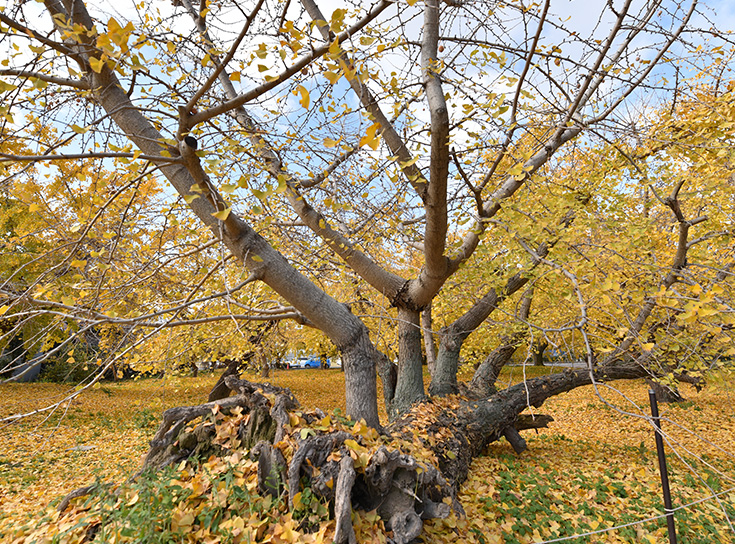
595 468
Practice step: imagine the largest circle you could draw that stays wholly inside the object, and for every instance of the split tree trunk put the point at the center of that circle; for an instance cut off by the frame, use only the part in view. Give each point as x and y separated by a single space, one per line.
537 352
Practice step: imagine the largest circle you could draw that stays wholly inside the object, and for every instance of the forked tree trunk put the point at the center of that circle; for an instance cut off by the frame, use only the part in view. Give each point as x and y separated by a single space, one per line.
483 381
537 351
220 389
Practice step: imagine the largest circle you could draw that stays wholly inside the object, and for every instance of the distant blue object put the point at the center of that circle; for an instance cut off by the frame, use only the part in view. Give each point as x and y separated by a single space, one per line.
313 362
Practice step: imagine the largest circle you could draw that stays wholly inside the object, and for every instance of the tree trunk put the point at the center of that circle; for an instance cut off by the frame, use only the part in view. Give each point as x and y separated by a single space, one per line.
537 351
13 356
361 387
665 393
444 377
429 344
410 382
345 330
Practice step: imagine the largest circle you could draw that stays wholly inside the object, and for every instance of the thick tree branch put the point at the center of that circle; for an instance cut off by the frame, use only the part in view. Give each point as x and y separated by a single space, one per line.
26 74
436 195
393 140
344 329
385 282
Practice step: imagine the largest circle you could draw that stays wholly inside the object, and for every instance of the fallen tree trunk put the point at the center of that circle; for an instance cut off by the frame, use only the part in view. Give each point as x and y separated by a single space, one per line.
410 472
406 473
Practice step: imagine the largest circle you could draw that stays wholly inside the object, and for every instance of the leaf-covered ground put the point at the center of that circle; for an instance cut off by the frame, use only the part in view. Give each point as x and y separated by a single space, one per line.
593 469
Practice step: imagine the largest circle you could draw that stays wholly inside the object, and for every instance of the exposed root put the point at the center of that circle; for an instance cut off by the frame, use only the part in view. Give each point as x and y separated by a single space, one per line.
77 493
345 464
313 452
271 468
343 502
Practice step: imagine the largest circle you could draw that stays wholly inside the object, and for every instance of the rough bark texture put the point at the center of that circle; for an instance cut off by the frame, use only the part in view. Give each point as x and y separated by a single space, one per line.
429 344
486 374
483 381
343 502
409 384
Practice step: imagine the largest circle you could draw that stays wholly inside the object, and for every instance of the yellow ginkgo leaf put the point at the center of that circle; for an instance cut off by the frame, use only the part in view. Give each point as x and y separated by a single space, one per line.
372 137
96 64
305 100
222 215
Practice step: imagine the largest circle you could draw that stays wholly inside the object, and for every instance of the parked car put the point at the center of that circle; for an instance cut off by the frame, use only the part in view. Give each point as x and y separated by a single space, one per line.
312 362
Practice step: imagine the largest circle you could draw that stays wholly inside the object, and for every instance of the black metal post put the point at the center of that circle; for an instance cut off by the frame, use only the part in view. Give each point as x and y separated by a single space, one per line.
662 466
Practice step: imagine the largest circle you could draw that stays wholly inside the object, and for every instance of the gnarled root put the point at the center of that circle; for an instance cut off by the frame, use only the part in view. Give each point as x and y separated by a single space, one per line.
401 488
343 502
271 468
172 443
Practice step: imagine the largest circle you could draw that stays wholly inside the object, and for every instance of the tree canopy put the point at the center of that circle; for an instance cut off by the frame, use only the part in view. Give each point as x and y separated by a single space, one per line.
208 167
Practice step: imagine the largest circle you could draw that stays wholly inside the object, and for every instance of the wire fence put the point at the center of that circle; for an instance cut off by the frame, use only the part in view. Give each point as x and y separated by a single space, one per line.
714 496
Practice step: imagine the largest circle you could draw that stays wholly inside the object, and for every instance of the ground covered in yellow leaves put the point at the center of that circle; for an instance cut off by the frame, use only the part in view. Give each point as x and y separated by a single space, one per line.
595 468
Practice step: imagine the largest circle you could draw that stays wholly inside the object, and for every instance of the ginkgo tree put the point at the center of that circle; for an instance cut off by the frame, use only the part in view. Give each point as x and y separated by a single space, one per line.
396 145
85 249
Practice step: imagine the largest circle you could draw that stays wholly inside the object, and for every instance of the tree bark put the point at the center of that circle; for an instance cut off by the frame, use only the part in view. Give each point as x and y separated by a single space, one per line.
13 355
665 393
483 381
220 389
410 382
429 344
537 351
